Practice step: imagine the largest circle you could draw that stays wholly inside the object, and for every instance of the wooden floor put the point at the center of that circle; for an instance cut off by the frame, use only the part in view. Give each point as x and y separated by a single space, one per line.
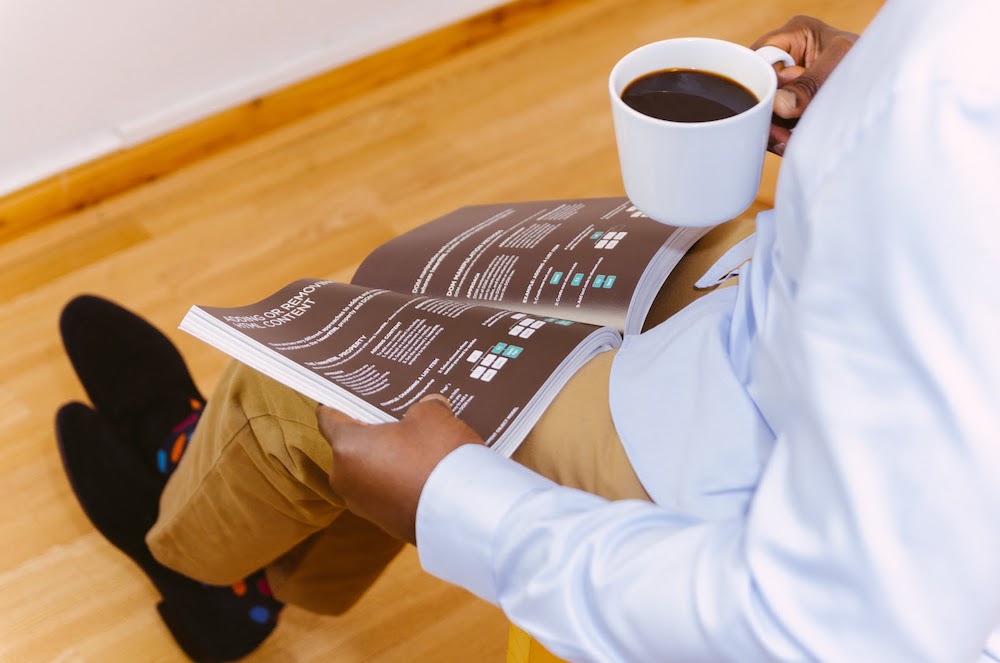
520 115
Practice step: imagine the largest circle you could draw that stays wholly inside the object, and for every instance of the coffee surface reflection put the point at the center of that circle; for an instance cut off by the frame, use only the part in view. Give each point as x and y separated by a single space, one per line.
687 95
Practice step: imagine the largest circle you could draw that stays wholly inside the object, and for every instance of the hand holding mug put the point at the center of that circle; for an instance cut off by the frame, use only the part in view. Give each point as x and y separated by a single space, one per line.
817 49
701 169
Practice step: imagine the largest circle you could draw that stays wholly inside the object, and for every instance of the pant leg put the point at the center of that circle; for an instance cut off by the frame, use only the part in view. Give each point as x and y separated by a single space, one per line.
575 442
328 572
252 492
679 290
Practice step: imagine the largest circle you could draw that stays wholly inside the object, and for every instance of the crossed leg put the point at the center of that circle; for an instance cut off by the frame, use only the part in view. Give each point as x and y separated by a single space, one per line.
252 490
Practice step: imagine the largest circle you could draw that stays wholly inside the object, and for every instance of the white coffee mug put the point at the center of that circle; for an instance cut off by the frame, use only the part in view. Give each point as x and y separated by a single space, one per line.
695 173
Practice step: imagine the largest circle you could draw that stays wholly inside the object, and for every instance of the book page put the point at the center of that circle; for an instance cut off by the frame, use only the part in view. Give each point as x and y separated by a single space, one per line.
573 259
388 350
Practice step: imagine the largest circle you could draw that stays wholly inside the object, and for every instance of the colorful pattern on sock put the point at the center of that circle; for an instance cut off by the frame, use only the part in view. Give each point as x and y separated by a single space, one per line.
172 449
265 607
262 607
253 592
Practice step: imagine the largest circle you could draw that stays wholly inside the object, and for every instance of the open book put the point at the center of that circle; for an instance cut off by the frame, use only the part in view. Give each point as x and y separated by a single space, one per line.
494 306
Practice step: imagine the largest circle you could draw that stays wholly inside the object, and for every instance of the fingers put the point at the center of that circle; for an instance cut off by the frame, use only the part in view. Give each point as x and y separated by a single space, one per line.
380 471
817 49
332 422
785 102
795 95
788 74
778 139
435 398
432 407
796 37
333 416
432 420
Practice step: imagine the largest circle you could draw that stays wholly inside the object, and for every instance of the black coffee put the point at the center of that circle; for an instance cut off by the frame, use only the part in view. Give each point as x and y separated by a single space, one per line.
687 95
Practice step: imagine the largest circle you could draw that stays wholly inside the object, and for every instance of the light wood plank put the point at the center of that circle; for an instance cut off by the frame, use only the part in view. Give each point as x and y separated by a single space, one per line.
517 111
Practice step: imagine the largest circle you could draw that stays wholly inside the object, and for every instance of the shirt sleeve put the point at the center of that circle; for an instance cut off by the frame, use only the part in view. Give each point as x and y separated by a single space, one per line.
593 580
874 530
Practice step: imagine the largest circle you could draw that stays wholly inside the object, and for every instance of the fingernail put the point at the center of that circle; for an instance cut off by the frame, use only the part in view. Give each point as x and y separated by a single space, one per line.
779 149
785 101
437 397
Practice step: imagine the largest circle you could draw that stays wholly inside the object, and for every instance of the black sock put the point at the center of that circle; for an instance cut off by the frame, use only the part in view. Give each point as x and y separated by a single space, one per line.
132 373
119 458
210 623
254 590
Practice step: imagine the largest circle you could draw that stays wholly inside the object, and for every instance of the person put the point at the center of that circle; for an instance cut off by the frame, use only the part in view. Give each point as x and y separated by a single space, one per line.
800 467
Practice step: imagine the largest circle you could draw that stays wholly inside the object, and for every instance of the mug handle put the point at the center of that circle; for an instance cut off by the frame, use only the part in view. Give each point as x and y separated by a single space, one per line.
774 55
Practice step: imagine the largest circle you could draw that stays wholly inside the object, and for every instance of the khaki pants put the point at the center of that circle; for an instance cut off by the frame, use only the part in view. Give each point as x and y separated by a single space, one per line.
252 492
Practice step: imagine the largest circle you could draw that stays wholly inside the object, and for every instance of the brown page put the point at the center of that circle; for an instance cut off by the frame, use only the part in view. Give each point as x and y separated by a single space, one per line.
595 260
372 353
494 306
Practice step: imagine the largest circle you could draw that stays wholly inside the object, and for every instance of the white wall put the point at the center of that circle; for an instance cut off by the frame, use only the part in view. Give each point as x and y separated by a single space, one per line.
82 79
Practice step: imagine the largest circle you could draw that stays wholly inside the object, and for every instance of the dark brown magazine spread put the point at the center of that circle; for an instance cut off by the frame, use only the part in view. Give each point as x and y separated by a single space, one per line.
493 306
596 260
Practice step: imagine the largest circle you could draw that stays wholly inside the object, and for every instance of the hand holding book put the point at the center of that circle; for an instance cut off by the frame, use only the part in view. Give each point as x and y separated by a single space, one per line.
380 471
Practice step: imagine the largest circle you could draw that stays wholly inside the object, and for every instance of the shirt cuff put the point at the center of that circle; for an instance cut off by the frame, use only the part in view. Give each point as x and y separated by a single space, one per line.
461 507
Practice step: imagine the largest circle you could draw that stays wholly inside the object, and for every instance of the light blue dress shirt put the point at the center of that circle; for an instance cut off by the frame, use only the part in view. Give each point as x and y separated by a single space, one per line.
822 442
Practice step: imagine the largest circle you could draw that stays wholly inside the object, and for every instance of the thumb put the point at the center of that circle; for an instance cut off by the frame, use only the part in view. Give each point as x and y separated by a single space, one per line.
427 405
331 416
440 398
330 421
